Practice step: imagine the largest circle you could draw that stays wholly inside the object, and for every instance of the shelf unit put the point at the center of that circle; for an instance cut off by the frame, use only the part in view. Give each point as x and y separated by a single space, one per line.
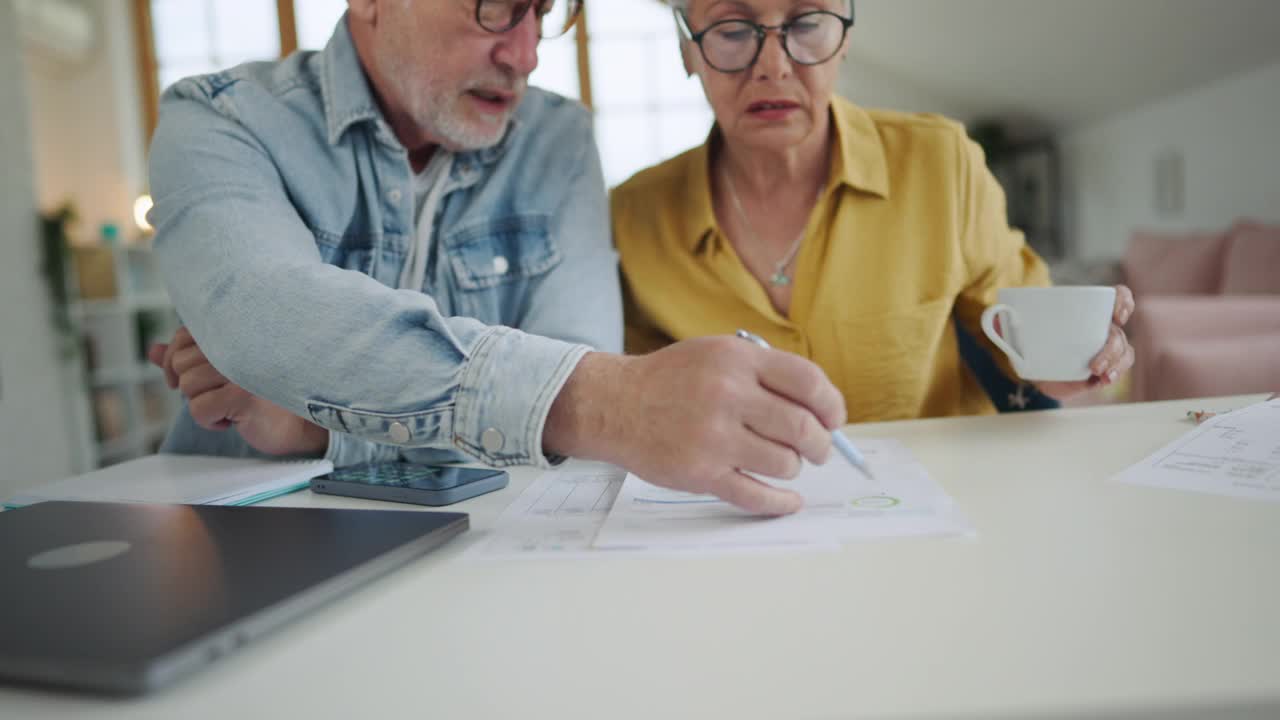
119 307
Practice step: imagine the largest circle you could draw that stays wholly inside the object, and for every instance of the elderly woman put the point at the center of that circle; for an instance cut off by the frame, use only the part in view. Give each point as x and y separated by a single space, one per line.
849 236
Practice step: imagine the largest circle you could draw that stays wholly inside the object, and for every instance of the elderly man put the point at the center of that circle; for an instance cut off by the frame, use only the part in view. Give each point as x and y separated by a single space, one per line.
394 249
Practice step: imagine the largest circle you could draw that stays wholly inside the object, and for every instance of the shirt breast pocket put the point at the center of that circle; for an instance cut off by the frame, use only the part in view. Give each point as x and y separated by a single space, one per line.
495 264
349 252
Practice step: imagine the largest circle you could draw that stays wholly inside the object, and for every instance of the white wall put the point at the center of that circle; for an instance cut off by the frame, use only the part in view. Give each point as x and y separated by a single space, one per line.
87 126
870 85
34 427
1228 134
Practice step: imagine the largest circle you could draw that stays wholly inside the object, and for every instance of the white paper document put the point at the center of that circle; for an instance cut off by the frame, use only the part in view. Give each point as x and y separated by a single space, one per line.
840 505
1236 454
558 515
182 479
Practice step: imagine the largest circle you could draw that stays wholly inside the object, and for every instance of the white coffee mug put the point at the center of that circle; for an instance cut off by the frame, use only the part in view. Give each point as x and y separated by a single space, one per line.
1051 333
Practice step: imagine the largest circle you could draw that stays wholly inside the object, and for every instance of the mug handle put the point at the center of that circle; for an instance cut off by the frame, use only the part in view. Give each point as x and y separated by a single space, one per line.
989 327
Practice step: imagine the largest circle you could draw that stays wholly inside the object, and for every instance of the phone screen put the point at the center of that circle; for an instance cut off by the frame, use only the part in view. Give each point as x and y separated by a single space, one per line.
399 474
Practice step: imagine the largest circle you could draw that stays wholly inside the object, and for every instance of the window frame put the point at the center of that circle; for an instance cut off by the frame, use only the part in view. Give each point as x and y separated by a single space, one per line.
148 67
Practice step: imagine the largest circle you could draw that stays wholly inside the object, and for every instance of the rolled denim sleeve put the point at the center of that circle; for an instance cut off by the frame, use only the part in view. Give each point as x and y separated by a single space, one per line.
347 450
486 410
331 345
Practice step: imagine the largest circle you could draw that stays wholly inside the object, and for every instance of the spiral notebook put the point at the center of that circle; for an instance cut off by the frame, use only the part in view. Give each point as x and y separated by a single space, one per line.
181 480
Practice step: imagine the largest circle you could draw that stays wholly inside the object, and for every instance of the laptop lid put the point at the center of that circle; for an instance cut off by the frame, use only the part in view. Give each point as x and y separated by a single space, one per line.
126 598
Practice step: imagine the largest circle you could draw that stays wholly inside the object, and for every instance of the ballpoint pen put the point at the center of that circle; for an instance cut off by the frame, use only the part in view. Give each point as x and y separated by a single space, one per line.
842 443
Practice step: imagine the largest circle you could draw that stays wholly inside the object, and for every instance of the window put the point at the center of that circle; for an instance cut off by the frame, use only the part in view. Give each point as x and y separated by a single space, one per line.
623 60
647 109
315 21
192 37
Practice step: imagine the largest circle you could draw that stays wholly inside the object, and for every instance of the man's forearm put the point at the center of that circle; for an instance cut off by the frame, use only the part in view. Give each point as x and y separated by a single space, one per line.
583 419
315 439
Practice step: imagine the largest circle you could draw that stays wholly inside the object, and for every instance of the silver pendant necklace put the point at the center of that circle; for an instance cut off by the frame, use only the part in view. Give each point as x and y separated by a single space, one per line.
779 277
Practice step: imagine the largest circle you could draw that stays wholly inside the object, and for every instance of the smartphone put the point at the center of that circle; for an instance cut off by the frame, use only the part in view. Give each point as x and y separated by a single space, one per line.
410 483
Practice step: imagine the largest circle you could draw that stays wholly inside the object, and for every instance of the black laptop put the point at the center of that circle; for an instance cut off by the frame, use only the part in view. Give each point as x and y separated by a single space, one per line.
126 598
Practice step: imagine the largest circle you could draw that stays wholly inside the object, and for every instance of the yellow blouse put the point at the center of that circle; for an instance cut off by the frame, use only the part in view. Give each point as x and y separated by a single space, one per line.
910 230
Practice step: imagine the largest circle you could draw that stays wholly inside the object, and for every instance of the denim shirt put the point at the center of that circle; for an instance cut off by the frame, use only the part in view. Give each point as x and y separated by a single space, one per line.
284 214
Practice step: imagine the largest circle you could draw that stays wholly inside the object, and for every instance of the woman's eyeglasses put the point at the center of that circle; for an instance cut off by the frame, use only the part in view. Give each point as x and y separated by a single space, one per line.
731 46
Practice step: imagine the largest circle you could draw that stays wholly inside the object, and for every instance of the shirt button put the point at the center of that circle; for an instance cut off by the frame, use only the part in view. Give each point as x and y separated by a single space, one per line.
492 440
393 195
500 265
399 433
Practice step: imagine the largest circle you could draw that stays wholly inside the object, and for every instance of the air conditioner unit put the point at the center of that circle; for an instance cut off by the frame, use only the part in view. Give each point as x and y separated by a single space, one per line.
61 29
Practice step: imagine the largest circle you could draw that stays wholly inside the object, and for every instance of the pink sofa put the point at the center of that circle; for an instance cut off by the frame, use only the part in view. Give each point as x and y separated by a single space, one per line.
1208 318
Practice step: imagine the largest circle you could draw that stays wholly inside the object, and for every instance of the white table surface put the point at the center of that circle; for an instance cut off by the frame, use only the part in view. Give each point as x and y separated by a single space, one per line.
1078 597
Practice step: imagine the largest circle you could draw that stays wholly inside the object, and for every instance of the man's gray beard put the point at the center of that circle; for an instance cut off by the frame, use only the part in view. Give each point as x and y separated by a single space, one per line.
438 114
445 121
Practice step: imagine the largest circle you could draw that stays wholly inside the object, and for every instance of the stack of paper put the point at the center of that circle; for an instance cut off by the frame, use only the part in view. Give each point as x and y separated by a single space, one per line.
181 480
1236 454
840 505
585 509
558 515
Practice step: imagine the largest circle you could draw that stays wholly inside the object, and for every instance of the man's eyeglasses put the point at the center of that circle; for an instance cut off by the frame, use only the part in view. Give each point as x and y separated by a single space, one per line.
732 46
555 17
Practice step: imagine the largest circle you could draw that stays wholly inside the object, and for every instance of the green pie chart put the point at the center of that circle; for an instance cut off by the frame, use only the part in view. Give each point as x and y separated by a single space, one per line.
879 502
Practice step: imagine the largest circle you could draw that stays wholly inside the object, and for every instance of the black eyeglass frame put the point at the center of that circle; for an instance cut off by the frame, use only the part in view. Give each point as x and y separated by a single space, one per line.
762 32
518 16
